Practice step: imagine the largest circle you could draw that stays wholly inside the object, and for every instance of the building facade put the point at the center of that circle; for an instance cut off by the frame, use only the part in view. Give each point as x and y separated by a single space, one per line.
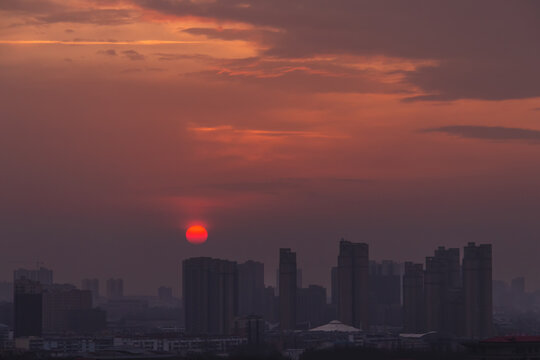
477 286
210 291
287 289
353 284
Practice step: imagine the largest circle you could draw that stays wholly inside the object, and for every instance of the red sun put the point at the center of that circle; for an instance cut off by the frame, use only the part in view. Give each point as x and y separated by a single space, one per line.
196 234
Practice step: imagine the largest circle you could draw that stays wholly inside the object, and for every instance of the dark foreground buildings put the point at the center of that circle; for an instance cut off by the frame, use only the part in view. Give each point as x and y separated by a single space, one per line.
210 291
28 308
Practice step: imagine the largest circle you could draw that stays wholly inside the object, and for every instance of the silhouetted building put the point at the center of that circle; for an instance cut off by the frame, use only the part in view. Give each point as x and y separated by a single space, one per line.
311 306
442 287
271 305
115 288
250 327
413 298
28 308
63 306
210 290
287 289
477 284
353 284
42 275
250 288
385 293
165 293
91 285
505 348
518 285
6 291
334 286
298 280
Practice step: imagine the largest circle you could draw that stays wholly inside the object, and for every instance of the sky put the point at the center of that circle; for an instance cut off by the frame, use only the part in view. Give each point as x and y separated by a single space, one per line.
274 123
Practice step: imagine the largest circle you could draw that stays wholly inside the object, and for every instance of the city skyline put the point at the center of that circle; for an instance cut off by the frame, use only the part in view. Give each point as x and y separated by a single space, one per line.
270 275
274 124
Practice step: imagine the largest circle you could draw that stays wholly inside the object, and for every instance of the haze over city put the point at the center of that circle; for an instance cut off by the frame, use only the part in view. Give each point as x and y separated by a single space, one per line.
273 124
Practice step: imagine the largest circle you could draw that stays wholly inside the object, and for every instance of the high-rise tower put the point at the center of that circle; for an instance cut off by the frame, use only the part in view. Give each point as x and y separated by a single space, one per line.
477 286
287 289
353 284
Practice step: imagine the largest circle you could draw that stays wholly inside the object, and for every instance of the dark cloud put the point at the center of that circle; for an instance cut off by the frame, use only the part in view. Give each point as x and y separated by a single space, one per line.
133 55
93 16
110 52
488 49
496 133
30 6
491 79
69 31
259 36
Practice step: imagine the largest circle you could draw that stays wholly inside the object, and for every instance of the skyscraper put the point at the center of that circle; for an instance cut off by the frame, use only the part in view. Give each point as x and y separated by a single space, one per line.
442 287
287 289
385 293
353 284
115 288
28 303
210 291
413 298
477 285
91 285
42 275
250 288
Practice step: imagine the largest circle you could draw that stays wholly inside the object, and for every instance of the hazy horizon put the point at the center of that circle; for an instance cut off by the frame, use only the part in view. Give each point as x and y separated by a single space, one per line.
275 124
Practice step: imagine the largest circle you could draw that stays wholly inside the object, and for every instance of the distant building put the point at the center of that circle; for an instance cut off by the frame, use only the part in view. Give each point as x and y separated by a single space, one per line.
210 290
250 288
115 288
385 293
518 285
334 286
443 294
353 284
250 327
6 291
287 289
28 308
413 298
66 308
271 304
91 285
505 348
477 285
42 275
165 293
311 306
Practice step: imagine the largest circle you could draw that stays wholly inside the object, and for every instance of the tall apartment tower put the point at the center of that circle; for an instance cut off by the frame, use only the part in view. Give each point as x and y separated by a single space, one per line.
477 286
91 285
210 291
28 304
251 288
334 286
353 284
287 289
115 288
63 305
443 293
413 298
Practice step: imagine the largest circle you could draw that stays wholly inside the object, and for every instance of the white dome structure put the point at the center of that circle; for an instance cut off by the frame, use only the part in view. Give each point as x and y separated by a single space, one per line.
336 326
